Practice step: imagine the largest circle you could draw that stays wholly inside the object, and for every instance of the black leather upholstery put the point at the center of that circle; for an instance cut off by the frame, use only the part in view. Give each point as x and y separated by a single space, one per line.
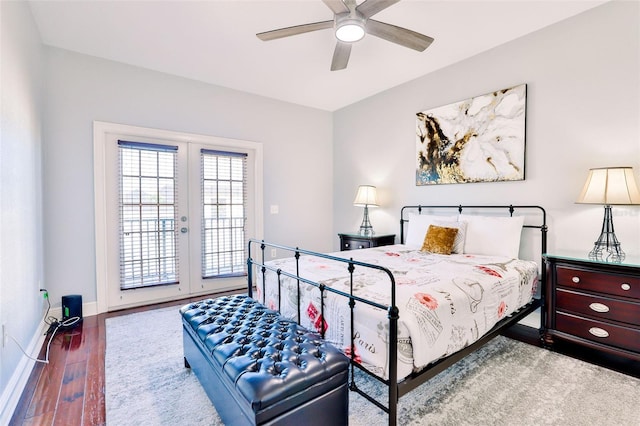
268 364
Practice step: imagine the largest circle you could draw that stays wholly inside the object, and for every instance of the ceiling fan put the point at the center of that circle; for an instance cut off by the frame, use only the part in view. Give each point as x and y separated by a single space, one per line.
351 22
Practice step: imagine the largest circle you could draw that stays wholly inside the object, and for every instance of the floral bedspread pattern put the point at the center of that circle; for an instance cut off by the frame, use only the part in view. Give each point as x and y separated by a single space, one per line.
445 302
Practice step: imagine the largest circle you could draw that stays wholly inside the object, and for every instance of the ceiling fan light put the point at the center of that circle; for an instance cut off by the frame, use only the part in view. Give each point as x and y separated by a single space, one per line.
350 31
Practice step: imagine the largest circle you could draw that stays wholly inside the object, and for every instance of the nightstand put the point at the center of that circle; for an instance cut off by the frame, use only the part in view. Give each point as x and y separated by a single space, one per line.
356 241
593 303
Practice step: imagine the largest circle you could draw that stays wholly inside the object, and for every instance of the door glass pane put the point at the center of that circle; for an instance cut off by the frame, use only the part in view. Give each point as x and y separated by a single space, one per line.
224 197
148 215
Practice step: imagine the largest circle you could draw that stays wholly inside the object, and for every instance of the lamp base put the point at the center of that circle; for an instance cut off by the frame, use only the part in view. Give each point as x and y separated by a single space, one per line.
607 248
366 229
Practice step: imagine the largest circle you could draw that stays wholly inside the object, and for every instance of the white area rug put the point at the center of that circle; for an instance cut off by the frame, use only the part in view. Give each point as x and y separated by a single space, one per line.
504 383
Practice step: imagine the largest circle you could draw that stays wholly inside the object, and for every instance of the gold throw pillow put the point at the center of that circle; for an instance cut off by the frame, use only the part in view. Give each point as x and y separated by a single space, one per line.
439 239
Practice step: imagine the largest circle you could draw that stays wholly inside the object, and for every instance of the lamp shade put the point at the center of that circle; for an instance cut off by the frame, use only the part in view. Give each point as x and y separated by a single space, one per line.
366 196
610 185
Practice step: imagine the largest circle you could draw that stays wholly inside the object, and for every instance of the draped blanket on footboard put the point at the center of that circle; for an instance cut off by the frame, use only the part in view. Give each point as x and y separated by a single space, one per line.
445 302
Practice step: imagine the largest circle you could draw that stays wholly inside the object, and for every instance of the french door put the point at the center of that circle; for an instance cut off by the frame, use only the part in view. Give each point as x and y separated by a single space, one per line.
175 215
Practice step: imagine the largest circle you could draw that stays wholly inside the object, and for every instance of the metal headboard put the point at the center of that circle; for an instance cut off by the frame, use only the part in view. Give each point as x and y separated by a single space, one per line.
542 225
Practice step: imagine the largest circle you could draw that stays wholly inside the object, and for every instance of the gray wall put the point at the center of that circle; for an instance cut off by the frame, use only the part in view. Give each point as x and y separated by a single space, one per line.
583 111
81 89
21 250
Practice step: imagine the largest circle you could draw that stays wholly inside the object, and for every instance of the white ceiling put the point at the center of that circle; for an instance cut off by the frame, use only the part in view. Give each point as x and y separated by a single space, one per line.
214 41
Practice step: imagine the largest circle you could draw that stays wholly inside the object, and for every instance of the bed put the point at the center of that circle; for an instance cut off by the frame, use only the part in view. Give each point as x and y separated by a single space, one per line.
405 312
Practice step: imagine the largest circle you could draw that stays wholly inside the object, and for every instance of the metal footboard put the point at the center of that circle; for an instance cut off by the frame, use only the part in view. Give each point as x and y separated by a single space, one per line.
353 299
395 389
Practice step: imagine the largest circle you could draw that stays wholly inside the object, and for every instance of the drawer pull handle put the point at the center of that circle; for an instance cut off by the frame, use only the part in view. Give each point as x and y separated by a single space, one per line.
599 307
576 280
599 332
625 286
346 244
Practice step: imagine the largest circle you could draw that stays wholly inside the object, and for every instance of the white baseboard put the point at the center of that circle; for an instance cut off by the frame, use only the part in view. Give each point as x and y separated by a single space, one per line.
13 391
88 309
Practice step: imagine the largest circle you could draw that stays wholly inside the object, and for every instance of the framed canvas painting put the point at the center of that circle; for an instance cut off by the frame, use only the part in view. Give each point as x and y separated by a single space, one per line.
481 139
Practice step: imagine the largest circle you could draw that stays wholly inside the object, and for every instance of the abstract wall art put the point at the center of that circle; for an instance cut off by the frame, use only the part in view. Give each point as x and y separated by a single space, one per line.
481 139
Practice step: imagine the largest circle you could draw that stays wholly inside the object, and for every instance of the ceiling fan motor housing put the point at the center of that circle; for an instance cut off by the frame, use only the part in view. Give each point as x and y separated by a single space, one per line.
350 27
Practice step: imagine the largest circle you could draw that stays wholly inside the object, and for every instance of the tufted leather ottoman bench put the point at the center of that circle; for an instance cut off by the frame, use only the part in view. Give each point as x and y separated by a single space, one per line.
259 368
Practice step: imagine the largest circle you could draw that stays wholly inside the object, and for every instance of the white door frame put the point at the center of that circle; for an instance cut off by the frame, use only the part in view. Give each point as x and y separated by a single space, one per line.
102 132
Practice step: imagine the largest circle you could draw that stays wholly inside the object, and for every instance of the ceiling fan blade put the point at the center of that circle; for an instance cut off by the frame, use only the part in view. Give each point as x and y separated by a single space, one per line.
370 7
341 56
337 6
399 35
295 30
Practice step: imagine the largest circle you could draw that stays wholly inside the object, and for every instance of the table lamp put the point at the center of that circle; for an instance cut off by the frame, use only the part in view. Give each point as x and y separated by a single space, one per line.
366 197
609 186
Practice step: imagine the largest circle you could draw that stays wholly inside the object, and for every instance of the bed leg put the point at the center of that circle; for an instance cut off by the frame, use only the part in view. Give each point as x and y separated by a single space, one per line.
547 340
186 363
393 363
393 413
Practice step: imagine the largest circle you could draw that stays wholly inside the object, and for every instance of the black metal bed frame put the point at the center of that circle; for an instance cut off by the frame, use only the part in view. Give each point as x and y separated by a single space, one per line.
417 378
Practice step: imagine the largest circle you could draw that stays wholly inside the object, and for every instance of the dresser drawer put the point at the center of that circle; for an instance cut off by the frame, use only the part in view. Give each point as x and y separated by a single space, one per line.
601 332
356 242
598 307
619 285
349 244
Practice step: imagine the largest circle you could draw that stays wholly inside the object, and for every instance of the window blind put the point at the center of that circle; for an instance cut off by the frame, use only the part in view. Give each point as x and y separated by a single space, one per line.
148 214
224 203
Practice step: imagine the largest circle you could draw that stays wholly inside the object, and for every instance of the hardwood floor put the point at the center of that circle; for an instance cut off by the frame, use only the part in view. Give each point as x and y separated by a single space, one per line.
69 390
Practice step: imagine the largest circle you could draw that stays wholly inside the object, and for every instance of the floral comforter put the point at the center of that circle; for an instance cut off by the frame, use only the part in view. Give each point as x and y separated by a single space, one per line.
445 302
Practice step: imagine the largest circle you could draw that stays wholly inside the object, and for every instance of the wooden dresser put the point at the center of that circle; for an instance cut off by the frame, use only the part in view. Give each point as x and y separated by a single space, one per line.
593 303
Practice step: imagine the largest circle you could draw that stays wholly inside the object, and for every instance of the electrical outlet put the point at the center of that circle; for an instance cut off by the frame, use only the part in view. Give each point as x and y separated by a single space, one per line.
274 252
5 335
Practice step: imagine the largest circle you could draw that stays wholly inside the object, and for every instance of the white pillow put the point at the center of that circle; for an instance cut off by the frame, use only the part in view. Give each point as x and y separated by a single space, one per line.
458 244
419 224
493 236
